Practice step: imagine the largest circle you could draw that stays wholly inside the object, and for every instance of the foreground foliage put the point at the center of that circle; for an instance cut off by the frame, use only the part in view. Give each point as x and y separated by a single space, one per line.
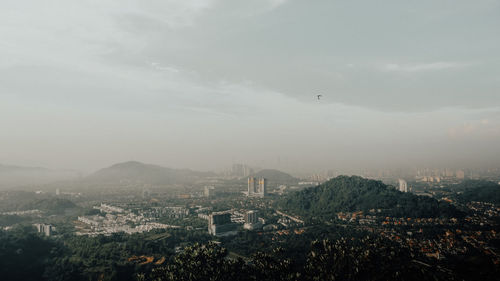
344 259
25 255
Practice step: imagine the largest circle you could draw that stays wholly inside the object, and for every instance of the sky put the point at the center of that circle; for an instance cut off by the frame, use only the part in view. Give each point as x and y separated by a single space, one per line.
203 84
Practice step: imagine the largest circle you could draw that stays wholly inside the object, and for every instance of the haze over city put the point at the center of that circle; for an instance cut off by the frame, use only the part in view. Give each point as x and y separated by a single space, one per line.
206 84
269 140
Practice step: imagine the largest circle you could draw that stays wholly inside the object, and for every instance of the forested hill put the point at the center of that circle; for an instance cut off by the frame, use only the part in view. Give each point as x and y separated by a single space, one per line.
137 172
275 175
348 194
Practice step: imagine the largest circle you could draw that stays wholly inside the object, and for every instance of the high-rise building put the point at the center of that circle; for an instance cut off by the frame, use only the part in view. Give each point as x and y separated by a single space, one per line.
262 186
460 174
252 220
251 186
257 188
146 193
46 229
58 191
209 191
403 186
241 170
220 224
251 217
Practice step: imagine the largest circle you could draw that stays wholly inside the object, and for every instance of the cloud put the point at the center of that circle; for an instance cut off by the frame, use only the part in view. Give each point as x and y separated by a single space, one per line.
422 67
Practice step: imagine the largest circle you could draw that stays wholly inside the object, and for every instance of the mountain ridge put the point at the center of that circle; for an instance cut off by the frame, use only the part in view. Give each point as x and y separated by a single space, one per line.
138 172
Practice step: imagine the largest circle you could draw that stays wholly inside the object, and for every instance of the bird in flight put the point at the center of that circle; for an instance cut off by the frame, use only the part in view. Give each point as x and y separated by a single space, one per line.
319 96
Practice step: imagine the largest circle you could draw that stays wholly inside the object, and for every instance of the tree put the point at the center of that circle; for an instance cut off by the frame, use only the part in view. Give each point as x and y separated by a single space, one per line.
201 263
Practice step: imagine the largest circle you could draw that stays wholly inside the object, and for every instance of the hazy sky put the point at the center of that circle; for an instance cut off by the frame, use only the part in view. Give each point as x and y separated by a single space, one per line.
204 84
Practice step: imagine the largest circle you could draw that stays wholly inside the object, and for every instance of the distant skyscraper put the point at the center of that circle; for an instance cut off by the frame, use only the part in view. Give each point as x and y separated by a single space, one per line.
262 186
251 186
257 188
241 170
58 192
460 174
146 193
403 186
209 191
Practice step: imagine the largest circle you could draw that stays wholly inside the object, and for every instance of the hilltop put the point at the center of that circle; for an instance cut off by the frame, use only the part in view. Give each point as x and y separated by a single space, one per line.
348 194
275 176
136 172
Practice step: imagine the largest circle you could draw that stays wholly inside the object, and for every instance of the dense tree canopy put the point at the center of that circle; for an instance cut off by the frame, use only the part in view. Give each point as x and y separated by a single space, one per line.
483 191
348 194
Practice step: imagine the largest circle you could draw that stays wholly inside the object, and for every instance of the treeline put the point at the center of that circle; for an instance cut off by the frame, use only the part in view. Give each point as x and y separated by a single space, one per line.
349 194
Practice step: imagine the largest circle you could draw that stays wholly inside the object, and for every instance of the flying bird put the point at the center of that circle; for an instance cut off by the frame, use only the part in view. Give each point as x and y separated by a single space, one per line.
319 96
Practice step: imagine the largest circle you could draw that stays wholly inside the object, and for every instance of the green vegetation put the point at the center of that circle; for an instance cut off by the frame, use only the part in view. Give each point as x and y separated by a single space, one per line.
275 176
348 194
26 255
345 259
55 205
484 191
7 220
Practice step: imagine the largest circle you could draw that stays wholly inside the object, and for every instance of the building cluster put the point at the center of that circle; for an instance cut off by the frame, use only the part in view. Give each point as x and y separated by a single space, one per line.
226 223
358 217
483 213
438 175
257 187
452 241
452 238
46 229
23 213
119 220
209 191
252 220
165 212
105 208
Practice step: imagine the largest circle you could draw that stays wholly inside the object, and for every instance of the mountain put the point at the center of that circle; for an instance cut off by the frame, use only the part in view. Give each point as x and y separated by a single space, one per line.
274 175
348 194
134 172
13 176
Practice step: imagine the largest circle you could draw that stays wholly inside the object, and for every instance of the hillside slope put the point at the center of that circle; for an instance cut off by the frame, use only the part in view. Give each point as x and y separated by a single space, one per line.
137 172
274 175
15 176
347 194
